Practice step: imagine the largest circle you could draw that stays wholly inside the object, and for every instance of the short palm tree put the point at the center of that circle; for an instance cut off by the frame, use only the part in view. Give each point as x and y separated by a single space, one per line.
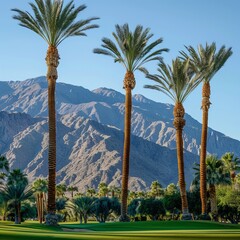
16 194
177 82
132 50
40 190
72 189
231 164
16 176
61 190
103 189
54 22
208 61
82 206
216 174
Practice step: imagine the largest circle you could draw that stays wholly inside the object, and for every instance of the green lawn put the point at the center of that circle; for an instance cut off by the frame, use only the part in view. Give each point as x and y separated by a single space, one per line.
115 231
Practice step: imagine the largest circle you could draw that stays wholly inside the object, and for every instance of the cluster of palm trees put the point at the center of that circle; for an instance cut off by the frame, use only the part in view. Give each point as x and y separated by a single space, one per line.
54 22
219 172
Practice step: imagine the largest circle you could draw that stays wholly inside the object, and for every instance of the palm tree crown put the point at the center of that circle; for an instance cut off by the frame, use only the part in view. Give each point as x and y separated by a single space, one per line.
132 48
53 21
177 81
208 59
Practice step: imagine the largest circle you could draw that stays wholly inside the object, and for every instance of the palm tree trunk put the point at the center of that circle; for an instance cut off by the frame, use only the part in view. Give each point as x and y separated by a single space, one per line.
16 213
41 208
19 212
205 108
213 201
129 84
179 123
52 63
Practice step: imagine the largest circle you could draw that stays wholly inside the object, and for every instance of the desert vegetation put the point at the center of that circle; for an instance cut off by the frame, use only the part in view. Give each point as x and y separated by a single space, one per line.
214 193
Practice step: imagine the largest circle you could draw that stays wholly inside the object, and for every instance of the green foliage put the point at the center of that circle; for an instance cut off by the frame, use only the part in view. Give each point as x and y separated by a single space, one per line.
54 21
172 202
207 60
133 207
103 189
61 203
176 81
194 202
152 207
131 48
228 203
83 206
40 186
156 189
104 206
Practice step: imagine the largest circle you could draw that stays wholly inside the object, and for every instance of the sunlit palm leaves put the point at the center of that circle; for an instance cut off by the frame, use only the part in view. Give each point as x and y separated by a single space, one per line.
53 21
132 49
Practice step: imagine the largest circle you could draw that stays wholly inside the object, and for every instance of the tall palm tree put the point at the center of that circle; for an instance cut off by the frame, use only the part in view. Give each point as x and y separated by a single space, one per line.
216 175
54 22
208 61
132 50
40 190
177 82
231 164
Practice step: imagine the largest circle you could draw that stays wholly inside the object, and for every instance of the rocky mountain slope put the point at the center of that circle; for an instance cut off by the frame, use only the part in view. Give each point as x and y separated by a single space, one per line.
88 152
90 135
151 120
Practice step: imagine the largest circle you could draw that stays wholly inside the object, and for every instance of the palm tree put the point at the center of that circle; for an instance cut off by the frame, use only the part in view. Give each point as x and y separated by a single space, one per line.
91 192
15 194
208 61
60 190
103 189
132 50
16 191
16 176
156 189
54 22
177 82
72 189
216 175
40 189
82 206
231 164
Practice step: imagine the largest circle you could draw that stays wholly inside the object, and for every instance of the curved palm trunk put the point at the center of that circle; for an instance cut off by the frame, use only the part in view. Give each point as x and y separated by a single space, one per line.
179 123
52 63
129 84
203 183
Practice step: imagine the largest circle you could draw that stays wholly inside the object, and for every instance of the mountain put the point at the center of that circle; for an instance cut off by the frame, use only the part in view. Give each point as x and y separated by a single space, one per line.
151 120
90 135
87 152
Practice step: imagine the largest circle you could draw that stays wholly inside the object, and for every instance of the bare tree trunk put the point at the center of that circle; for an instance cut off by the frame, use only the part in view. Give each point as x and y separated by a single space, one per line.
179 123
205 108
129 84
52 63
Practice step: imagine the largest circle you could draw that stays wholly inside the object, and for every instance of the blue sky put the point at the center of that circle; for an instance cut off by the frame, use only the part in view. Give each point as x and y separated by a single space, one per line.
179 23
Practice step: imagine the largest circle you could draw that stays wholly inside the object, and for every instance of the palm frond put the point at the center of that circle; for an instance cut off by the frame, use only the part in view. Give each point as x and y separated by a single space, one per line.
132 47
54 21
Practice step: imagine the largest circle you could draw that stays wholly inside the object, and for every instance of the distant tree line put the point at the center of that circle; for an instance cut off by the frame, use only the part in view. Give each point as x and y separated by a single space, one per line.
20 200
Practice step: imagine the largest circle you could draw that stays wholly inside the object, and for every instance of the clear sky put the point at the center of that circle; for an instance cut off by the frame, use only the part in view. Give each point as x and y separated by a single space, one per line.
178 22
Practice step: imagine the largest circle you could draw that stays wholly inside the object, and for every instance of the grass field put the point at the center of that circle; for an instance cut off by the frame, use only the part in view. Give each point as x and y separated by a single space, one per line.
115 231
